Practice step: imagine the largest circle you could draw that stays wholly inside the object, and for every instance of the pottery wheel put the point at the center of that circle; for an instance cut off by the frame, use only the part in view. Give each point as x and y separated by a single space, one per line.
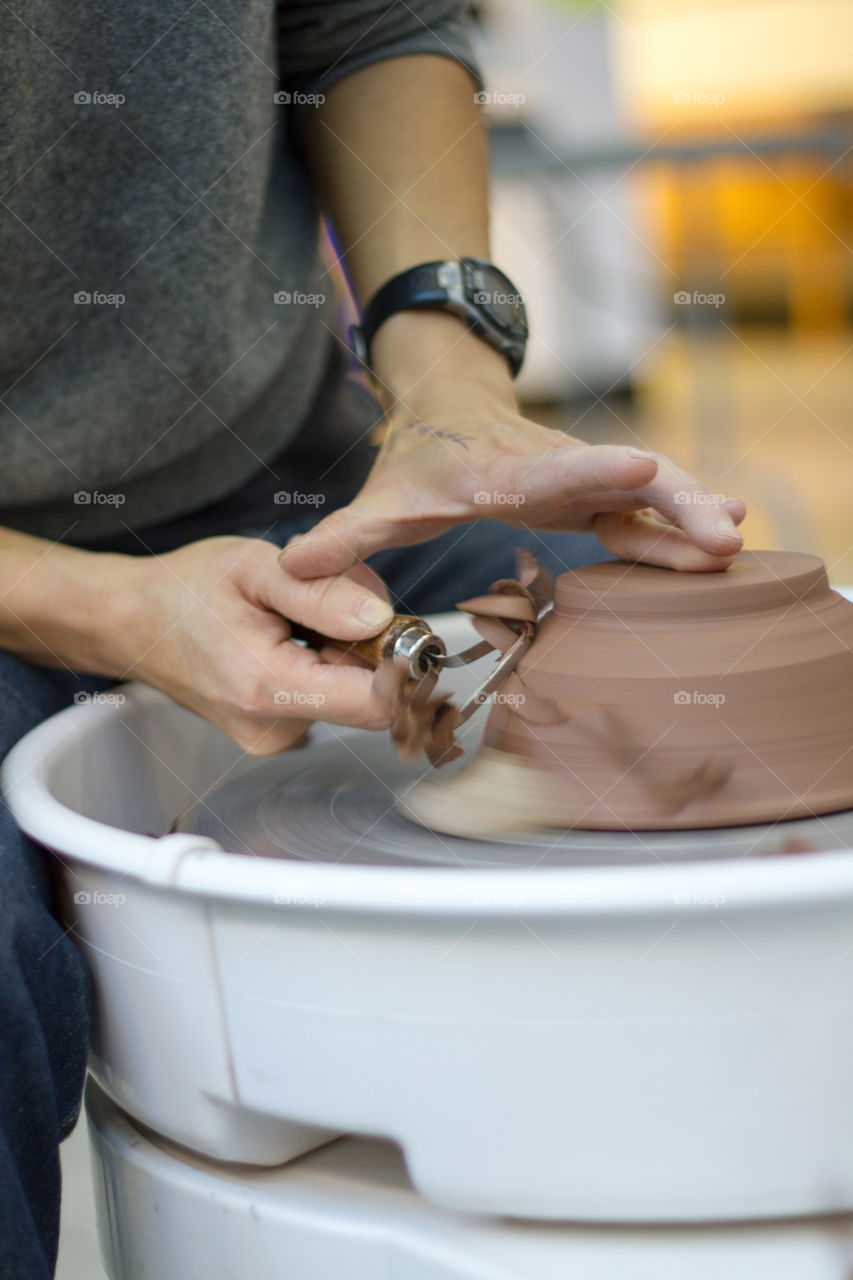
328 804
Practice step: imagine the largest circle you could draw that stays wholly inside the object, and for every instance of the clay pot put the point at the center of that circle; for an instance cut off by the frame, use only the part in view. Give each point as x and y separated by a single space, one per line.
680 700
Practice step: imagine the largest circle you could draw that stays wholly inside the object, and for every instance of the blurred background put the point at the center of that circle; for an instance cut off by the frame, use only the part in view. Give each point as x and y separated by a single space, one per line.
672 195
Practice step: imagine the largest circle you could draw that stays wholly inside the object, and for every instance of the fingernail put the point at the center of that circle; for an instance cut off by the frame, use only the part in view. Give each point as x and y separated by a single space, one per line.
374 611
726 529
291 542
643 457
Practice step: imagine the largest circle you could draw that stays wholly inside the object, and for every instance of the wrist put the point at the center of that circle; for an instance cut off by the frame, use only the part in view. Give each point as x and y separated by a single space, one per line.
67 610
129 594
419 356
100 611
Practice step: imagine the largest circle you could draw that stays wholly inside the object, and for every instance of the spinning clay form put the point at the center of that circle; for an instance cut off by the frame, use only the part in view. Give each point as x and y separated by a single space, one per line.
653 699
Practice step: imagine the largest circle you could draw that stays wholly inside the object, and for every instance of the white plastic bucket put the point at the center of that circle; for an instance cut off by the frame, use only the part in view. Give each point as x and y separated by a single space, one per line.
614 1043
348 1210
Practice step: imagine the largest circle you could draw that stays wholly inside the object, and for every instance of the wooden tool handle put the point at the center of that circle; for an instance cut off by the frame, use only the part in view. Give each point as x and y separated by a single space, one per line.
375 648
371 650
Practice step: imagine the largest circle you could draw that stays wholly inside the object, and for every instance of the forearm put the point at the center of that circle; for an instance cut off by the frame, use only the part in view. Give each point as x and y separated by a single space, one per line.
398 158
399 161
60 606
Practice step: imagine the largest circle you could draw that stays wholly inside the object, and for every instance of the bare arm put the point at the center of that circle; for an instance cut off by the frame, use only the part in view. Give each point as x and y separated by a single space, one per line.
60 606
398 157
208 624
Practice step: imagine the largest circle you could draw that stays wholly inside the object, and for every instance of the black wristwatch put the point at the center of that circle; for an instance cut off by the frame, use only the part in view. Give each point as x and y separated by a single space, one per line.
474 290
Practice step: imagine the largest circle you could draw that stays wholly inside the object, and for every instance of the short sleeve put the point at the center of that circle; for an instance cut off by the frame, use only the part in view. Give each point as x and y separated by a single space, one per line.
322 41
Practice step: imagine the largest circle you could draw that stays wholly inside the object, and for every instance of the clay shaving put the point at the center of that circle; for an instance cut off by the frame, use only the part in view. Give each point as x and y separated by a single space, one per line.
423 722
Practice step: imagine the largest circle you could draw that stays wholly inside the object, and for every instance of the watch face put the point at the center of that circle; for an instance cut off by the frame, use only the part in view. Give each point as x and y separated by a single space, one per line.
493 293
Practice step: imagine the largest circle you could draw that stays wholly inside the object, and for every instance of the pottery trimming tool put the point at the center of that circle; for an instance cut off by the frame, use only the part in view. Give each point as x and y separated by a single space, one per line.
411 645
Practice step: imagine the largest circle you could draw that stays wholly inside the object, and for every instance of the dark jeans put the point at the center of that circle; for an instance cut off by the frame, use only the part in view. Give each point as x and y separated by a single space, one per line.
44 979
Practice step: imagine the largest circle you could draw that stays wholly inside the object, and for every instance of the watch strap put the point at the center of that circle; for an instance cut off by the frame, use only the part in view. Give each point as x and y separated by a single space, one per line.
419 288
449 285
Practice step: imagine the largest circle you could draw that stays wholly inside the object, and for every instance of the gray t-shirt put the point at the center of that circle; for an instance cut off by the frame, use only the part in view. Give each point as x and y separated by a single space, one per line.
161 334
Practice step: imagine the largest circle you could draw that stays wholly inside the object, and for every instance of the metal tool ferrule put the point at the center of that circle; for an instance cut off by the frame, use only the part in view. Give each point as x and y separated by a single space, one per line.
418 650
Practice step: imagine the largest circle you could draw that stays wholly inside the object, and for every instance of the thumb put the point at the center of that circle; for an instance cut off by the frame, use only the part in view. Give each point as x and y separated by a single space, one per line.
344 538
349 606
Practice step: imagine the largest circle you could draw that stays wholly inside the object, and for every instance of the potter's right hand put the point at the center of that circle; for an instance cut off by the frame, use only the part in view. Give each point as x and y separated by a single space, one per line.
208 625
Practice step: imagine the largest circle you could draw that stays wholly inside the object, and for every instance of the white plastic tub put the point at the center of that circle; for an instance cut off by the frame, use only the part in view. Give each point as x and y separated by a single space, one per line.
349 1210
601 1043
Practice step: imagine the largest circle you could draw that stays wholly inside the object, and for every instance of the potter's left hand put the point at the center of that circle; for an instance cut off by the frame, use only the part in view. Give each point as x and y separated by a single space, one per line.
457 449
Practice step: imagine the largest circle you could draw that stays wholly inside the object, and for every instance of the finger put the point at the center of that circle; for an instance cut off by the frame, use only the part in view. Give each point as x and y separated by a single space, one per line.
367 577
300 685
345 537
581 513
579 517
736 508
358 531
339 606
639 536
270 737
576 470
705 517
524 490
346 657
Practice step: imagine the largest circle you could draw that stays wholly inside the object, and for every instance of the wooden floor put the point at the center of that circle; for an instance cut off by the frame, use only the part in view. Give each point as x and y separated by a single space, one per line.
755 414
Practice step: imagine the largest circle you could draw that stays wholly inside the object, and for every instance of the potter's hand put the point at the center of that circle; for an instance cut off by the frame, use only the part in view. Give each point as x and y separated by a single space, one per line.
460 450
207 625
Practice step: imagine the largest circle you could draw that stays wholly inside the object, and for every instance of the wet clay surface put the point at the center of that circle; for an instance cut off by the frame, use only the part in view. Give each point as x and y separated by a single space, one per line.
683 700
